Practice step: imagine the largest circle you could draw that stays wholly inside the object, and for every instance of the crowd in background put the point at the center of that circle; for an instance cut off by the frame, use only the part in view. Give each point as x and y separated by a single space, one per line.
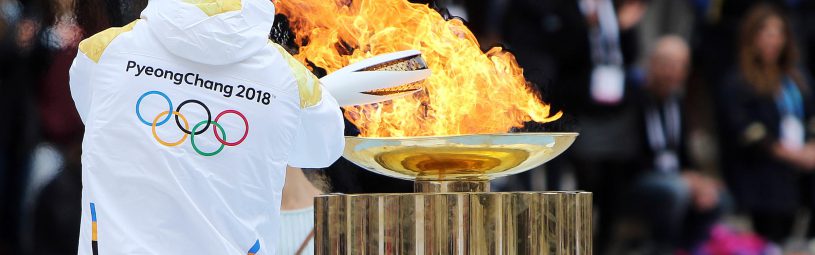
696 117
688 112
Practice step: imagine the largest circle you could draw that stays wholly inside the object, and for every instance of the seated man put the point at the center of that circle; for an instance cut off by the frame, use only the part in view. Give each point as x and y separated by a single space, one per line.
674 205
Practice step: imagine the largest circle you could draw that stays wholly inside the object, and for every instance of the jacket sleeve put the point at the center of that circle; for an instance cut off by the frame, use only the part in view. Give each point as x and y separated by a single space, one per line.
319 140
809 109
80 76
740 107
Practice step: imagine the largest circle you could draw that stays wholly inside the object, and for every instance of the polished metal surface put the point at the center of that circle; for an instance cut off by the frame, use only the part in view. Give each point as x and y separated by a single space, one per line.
427 186
515 223
452 211
464 157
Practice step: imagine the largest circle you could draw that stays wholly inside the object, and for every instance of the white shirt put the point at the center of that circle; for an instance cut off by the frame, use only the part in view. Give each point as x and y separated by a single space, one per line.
295 229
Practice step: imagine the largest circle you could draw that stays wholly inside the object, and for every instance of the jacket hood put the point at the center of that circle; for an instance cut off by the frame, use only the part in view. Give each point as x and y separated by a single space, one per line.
215 32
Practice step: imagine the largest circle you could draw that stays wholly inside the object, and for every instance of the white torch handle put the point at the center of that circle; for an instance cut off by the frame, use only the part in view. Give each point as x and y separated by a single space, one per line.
348 84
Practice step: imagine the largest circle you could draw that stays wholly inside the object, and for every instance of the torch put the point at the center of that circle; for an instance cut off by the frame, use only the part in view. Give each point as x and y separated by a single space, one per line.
453 210
378 79
451 141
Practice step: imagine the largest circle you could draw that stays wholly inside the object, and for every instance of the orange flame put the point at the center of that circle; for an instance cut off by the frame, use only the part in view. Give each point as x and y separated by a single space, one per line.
469 92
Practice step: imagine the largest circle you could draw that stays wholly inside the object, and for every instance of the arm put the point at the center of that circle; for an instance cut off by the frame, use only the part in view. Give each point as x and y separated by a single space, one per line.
319 141
80 76
739 120
809 123
742 122
298 191
809 110
89 53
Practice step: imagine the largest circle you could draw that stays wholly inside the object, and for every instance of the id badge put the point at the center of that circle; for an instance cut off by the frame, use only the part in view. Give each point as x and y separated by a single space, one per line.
792 133
607 84
667 161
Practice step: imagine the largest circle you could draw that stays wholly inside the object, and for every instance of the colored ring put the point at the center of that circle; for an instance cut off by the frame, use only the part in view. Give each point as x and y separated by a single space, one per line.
186 130
193 139
138 104
245 133
167 143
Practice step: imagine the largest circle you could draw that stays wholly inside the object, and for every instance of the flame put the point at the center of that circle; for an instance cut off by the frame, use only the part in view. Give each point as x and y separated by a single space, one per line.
469 92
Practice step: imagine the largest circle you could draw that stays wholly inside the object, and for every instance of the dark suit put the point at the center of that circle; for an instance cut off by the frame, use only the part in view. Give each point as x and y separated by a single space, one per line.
647 103
659 198
550 39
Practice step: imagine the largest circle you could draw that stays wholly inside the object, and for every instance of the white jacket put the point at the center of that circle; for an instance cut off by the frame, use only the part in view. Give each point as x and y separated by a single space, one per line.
191 116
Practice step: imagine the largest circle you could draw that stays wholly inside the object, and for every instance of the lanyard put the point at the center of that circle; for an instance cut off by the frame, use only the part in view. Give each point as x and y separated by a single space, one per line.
791 101
605 37
664 125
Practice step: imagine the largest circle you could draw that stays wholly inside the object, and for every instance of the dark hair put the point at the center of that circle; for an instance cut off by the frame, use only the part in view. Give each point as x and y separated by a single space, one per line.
93 16
3 27
767 82
318 178
43 11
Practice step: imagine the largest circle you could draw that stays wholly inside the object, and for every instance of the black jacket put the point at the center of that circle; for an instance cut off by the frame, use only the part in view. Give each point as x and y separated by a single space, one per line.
550 39
645 102
749 126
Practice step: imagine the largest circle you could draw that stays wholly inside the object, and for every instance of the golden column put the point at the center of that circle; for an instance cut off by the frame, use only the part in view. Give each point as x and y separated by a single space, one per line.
452 211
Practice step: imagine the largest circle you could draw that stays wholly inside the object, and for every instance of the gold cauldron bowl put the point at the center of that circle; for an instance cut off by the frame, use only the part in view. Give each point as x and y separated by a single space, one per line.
452 210
462 163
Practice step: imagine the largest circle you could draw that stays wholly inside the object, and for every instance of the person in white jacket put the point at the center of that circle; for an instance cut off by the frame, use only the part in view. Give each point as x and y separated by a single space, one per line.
191 118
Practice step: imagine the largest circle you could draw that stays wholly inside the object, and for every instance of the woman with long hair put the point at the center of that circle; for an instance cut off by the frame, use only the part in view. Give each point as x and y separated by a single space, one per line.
768 125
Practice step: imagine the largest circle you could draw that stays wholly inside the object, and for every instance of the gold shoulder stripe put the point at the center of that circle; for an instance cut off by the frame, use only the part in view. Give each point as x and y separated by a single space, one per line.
307 83
94 46
215 7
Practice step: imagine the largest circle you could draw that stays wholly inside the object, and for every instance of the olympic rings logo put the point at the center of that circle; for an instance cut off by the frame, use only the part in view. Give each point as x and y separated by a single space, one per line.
196 130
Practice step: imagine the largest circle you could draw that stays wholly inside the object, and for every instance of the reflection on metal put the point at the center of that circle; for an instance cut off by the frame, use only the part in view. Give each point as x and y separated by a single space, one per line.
453 211
454 223
451 186
481 157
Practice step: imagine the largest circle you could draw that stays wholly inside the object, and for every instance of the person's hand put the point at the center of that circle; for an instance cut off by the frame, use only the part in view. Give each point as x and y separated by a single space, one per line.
782 153
808 156
704 190
803 159
630 13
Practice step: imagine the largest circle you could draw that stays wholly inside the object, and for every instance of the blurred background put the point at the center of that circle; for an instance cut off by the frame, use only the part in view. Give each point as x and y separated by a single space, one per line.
697 117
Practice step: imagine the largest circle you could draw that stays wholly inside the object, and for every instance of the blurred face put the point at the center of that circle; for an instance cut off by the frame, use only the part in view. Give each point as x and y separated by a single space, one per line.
770 40
63 7
668 70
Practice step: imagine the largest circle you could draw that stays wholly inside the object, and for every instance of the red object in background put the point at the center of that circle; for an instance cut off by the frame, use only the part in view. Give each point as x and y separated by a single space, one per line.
59 120
726 241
